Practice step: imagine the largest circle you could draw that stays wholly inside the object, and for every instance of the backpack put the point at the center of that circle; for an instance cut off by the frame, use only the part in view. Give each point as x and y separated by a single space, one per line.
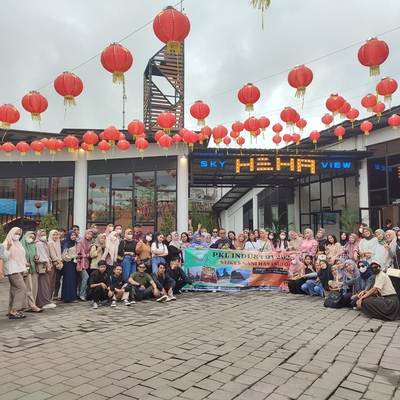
333 300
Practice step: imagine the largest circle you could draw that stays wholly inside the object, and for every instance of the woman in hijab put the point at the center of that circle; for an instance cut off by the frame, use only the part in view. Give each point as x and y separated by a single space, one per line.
83 249
324 276
381 253
240 242
56 260
322 241
295 241
110 254
70 279
96 251
174 247
14 266
197 242
45 296
31 279
367 245
350 250
295 274
344 238
207 239
308 245
351 284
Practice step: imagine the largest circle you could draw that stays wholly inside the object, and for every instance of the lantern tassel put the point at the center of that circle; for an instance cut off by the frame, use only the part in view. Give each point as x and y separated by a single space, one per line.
118 77
374 70
69 100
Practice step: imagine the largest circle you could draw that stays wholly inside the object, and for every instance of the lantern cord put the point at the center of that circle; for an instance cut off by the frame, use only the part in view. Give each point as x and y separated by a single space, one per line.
5 133
124 98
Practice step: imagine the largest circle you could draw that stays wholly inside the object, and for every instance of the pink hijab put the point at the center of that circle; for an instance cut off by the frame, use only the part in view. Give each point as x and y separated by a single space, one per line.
56 244
17 251
83 247
112 246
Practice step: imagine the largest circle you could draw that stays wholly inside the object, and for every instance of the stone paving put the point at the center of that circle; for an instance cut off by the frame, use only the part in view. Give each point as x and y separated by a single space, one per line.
250 346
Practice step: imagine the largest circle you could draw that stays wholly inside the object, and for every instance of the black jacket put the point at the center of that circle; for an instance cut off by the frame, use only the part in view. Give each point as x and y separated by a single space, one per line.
117 283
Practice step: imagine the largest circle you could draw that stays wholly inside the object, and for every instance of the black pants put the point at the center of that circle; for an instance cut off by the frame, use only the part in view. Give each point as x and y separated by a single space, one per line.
97 294
141 294
59 274
181 283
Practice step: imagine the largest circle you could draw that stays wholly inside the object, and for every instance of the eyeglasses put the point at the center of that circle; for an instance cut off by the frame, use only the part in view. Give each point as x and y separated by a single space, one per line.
214 231
140 266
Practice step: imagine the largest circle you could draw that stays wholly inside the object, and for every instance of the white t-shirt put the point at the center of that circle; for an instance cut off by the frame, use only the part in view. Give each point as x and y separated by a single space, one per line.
252 246
384 284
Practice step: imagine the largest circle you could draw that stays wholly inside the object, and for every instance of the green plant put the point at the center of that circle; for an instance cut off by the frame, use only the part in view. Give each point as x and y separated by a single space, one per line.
273 222
168 224
48 222
3 234
349 218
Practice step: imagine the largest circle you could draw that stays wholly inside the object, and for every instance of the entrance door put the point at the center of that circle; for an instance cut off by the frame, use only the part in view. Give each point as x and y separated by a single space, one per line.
372 216
329 220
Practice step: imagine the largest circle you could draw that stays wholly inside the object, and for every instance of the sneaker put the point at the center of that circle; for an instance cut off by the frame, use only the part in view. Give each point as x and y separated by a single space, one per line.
50 305
95 305
81 298
172 297
355 308
99 303
126 303
167 299
133 301
162 298
113 303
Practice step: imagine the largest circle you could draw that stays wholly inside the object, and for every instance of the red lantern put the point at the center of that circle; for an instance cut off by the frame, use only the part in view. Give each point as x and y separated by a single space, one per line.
92 185
248 95
61 144
366 127
378 108
53 145
136 128
165 141
264 123
301 124
240 141
237 126
206 131
121 136
37 147
287 138
34 103
234 135
117 60
352 114
369 101
22 147
158 135
334 102
166 120
386 87
277 128
104 146
176 139
227 141
327 120
339 132
276 139
251 124
8 115
218 133
171 27
182 132
123 145
344 109
200 111
191 138
71 142
296 138
85 146
200 138
90 138
314 136
299 78
289 116
69 86
394 121
111 134
372 54
141 144
8 148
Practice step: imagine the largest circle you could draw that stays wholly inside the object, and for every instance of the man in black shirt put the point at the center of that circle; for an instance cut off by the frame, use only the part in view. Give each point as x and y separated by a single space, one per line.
98 289
165 284
119 288
178 275
223 242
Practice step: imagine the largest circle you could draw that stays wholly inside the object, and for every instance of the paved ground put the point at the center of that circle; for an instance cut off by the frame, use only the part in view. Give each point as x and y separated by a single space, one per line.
250 345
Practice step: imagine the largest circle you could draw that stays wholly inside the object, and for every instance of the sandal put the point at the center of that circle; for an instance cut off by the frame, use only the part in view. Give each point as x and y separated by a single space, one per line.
36 311
18 315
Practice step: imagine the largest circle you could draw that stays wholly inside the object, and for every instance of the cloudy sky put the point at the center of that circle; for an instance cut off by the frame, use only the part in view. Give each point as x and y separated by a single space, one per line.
226 48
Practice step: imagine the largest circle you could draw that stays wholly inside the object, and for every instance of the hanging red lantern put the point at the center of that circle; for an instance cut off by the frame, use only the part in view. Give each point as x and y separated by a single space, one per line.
190 138
141 145
248 95
369 101
85 146
299 78
158 135
218 133
34 103
37 147
117 60
135 128
101 136
182 132
264 123
237 126
334 102
344 109
92 185
104 146
166 120
53 145
176 139
386 87
366 127
289 115
372 54
121 136
296 138
276 139
339 132
8 115
71 142
171 27
22 147
394 121
90 138
352 114
8 148
327 120
200 138
61 144
227 141
240 141
69 86
301 124
251 124
123 145
314 136
111 134
200 111
378 108
287 138
234 135
277 128
165 141
206 131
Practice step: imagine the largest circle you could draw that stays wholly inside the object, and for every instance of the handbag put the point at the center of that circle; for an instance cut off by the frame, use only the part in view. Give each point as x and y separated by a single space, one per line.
41 268
146 261
333 300
394 272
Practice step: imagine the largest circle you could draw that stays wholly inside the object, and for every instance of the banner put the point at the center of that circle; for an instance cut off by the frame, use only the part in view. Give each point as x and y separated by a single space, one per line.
213 269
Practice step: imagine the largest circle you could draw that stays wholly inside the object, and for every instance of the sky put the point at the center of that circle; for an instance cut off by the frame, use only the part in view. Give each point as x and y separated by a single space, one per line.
225 49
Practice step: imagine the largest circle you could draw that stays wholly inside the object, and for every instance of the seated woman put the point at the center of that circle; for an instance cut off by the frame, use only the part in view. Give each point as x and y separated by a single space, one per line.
98 288
321 286
381 300
350 250
332 249
335 284
310 277
349 287
295 274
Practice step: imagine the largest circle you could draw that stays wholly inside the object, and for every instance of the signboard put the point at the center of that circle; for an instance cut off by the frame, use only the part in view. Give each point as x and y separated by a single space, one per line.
8 206
36 207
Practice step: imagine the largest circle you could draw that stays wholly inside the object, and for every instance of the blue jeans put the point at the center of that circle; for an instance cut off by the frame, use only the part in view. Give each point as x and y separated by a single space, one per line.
84 278
155 261
311 288
128 266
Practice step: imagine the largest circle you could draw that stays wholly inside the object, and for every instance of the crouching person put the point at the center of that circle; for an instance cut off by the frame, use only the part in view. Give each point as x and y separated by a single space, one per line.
119 287
178 275
98 289
143 285
165 284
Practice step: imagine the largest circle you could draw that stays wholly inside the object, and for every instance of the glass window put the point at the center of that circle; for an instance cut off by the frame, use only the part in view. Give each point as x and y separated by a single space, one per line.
314 191
122 181
144 196
378 149
394 183
166 216
315 206
378 198
36 203
326 194
304 199
122 207
338 186
393 147
62 195
377 173
393 160
99 198
10 202
352 193
166 180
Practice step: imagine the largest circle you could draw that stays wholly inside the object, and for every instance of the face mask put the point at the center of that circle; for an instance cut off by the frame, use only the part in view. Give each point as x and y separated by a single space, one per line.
110 228
16 237
294 261
42 238
119 231
29 240
363 269
114 239
129 237
148 238
360 230
95 230
375 271
271 236
283 237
